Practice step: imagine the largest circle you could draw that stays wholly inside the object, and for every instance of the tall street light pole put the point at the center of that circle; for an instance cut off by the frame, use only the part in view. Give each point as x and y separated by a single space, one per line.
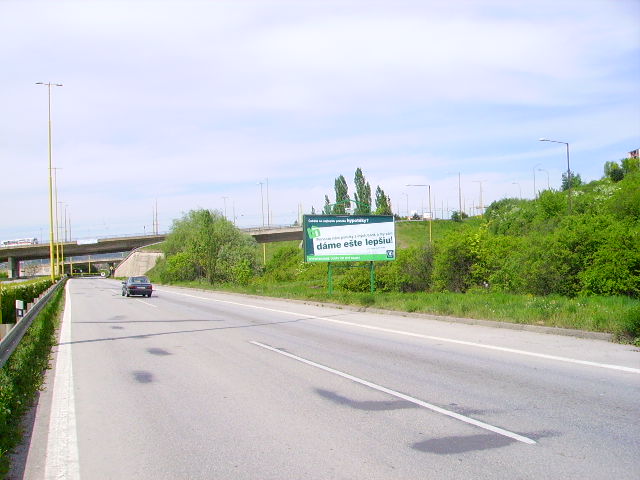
262 201
481 204
459 195
224 199
547 172
430 212
568 167
268 207
49 85
535 192
519 188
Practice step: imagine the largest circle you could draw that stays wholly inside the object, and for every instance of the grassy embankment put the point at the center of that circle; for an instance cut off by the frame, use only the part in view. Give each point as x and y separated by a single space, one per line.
617 315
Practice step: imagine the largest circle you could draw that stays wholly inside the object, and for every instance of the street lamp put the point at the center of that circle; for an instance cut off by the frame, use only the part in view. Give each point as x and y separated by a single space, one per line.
407 195
481 204
547 172
519 188
49 85
568 167
430 213
535 192
262 201
224 199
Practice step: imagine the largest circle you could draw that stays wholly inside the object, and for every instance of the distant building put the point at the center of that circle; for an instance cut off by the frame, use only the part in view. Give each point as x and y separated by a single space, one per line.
634 153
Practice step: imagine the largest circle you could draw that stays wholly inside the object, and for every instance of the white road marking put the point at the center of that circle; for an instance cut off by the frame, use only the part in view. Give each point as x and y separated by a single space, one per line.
408 398
62 445
428 337
150 304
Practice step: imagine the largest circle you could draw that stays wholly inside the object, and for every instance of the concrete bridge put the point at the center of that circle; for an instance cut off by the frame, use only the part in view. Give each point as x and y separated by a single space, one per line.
14 255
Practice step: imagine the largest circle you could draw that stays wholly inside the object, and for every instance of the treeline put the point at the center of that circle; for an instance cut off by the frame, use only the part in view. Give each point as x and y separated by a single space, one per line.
362 198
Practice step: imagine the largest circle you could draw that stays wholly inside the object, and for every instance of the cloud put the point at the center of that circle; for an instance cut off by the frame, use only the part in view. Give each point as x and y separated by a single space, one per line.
187 102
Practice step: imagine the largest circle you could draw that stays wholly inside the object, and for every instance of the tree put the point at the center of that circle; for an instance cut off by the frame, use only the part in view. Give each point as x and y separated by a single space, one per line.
613 171
203 244
383 202
342 195
362 195
630 165
576 181
458 216
327 206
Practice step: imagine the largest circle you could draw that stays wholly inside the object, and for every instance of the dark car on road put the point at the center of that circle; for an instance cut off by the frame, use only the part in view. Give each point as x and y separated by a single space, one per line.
137 286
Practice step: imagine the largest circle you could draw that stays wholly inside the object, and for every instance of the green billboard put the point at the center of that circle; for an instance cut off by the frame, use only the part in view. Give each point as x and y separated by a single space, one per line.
349 238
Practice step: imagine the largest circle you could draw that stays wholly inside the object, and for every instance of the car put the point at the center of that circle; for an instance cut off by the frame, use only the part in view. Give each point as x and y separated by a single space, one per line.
137 286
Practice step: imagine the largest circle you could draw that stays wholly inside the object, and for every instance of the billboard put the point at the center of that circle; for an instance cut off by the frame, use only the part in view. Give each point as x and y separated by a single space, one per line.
349 238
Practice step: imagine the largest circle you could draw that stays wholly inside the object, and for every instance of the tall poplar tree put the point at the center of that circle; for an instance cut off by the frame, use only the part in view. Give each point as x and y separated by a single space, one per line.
363 194
383 203
342 195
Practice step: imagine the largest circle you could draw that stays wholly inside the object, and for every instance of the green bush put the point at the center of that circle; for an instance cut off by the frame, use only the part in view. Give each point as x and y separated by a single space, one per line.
614 267
355 279
411 271
26 292
203 244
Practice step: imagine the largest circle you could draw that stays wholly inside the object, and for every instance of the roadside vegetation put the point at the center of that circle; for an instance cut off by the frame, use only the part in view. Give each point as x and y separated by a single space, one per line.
23 376
25 291
569 258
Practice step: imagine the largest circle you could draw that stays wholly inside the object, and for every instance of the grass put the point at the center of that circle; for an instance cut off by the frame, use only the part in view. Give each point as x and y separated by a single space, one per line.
416 233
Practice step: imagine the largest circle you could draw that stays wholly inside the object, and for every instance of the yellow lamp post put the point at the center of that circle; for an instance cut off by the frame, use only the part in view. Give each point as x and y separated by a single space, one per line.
51 259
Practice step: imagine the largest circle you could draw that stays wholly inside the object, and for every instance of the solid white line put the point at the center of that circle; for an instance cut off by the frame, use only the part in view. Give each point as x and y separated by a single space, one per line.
62 446
428 337
408 398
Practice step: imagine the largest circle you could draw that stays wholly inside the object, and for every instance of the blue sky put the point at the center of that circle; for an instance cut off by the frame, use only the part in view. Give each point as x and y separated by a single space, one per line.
191 104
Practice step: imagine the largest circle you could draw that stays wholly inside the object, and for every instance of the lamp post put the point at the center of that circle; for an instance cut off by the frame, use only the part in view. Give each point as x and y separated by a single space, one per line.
268 207
224 199
481 204
568 167
262 202
430 212
63 235
49 85
547 172
264 245
535 192
55 213
407 195
519 188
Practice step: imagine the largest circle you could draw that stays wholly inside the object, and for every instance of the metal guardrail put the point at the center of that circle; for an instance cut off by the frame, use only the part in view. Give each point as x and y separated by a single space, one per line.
9 343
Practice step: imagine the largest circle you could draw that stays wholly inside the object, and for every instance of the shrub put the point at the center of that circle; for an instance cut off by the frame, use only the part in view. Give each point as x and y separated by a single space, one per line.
26 292
411 271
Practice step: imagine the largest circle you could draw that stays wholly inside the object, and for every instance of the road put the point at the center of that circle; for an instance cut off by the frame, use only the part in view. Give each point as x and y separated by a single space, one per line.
199 385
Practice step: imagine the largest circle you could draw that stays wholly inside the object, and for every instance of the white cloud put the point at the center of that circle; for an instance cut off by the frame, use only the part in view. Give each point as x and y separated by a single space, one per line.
190 101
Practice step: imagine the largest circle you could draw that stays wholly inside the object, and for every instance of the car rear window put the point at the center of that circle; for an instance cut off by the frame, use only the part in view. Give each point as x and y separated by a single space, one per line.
139 280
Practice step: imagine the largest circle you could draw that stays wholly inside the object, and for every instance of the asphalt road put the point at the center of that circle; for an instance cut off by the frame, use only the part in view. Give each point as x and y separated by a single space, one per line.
196 385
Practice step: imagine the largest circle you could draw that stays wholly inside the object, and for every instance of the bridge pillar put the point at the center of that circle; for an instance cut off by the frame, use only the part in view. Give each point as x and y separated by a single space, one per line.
14 267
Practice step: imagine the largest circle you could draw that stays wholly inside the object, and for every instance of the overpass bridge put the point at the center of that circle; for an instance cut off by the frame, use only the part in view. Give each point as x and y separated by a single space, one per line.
14 255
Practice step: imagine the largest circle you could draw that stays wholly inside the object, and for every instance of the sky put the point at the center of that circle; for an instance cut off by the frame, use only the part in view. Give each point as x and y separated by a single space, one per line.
253 108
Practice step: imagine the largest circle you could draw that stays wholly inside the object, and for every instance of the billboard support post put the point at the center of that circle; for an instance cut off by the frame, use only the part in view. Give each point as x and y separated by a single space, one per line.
330 277
372 276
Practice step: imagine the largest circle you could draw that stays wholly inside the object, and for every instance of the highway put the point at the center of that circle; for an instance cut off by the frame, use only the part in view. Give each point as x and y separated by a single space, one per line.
190 384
